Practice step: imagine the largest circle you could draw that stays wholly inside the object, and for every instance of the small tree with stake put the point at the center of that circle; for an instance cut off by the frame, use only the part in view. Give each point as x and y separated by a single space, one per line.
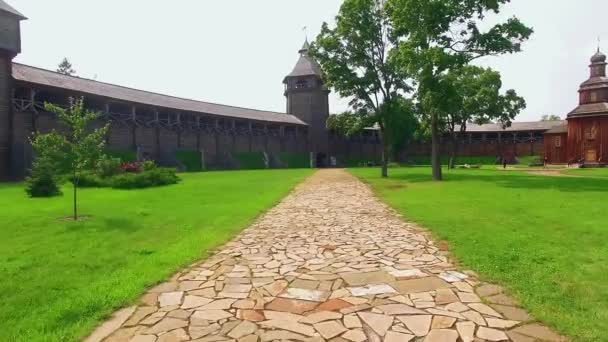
75 150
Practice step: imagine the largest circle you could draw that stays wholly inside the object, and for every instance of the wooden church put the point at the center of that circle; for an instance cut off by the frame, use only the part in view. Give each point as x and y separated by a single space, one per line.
584 139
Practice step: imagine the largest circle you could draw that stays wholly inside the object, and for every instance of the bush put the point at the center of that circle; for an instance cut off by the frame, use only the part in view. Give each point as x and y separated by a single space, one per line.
132 167
90 180
146 179
148 165
108 167
124 156
191 160
42 182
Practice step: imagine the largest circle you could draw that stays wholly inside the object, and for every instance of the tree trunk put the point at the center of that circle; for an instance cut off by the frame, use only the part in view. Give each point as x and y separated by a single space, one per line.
75 185
384 159
435 149
453 150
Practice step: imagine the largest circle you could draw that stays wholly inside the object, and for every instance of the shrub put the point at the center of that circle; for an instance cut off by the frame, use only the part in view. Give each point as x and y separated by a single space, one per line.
191 160
131 167
146 179
148 165
90 180
124 156
42 182
108 167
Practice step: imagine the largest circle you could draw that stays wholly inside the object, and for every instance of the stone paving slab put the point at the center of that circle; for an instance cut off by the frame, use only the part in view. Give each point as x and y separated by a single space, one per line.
329 263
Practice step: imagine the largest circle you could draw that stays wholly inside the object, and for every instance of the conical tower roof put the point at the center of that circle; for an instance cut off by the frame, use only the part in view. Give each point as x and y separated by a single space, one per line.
306 65
4 7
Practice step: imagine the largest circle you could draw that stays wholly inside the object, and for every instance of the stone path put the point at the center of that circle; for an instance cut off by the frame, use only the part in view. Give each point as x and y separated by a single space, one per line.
329 263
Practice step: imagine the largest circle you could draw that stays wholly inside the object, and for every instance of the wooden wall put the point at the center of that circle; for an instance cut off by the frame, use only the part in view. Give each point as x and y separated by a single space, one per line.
581 145
556 148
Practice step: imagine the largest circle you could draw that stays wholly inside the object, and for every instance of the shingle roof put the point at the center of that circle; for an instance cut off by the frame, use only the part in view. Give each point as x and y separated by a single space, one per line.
559 129
590 109
49 78
4 7
306 65
516 126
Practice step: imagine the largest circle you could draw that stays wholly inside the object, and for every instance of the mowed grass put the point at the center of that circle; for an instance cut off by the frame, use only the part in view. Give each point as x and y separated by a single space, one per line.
59 278
544 238
601 173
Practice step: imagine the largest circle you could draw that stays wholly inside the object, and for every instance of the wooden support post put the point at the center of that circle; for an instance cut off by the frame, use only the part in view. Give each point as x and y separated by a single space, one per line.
217 138
250 128
198 134
134 127
157 134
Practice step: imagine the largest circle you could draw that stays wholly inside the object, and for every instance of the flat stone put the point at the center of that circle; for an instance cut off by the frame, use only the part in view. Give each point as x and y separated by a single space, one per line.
487 290
143 338
445 296
360 279
501 323
419 325
355 335
491 334
379 323
236 288
334 305
111 325
519 337
420 285
474 316
329 329
276 287
512 313
281 335
453 276
413 273
321 316
484 309
442 322
249 338
167 324
539 332
212 315
441 335
467 297
207 293
195 301
466 330
501 299
371 290
220 304
177 335
170 298
393 336
141 313
399 309
305 294
244 304
305 284
295 327
243 329
198 332
457 307
352 321
251 315
291 305
282 316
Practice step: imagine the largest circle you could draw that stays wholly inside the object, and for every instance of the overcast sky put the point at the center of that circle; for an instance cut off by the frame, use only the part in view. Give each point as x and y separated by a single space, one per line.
237 52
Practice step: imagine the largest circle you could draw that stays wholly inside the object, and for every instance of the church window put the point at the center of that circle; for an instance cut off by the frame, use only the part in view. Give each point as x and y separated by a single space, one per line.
558 141
593 96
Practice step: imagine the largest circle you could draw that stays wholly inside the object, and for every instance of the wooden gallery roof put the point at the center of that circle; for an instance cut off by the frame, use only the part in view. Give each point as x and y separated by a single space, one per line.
47 78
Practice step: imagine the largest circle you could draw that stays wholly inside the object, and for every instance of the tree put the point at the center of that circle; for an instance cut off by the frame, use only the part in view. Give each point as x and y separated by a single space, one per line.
439 36
476 98
551 117
401 124
354 57
65 67
76 149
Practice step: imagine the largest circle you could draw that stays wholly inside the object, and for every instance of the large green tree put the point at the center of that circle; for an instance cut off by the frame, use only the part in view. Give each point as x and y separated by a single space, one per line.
354 56
74 150
477 98
65 67
441 35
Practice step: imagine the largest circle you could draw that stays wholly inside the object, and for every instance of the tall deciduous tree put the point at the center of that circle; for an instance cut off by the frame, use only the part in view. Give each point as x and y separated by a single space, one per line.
476 97
65 67
550 117
441 35
76 149
354 56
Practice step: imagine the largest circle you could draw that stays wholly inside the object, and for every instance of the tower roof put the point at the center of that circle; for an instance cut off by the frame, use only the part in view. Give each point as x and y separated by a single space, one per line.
4 7
306 65
599 57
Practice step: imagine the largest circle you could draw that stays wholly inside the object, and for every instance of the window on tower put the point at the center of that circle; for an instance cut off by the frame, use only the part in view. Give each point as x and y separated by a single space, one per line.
301 84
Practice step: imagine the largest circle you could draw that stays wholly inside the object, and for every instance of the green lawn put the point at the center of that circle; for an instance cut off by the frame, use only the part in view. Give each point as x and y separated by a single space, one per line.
59 278
601 173
544 238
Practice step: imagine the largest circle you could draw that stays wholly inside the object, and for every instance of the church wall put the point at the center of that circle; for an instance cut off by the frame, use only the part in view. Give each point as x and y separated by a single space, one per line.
188 141
242 144
145 138
555 148
580 144
120 137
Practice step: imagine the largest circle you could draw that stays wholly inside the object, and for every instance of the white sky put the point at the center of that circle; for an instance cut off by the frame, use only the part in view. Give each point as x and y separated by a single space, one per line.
237 52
